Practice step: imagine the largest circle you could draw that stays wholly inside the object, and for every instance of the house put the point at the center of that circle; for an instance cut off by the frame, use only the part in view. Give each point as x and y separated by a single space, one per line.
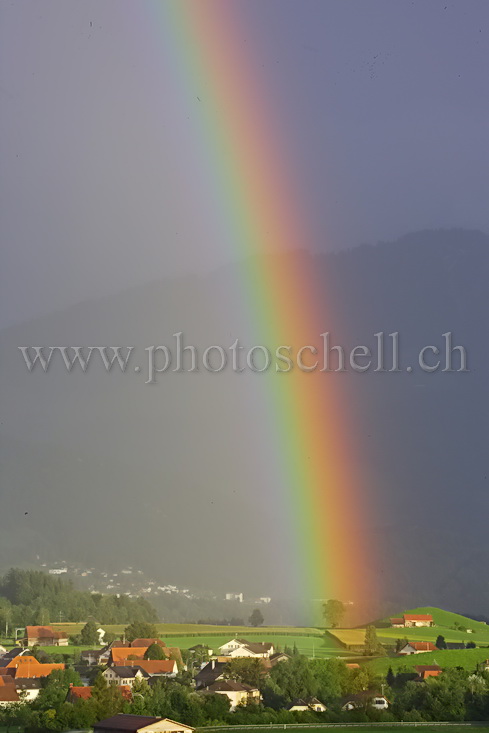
483 666
158 667
123 675
147 642
140 724
200 649
94 657
44 636
30 687
362 699
126 655
243 648
455 645
427 670
17 651
8 694
210 673
418 647
397 623
412 620
27 666
353 665
306 704
85 693
237 692
278 657
2 651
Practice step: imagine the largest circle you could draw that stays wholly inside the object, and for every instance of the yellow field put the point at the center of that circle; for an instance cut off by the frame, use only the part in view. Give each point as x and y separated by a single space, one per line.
349 637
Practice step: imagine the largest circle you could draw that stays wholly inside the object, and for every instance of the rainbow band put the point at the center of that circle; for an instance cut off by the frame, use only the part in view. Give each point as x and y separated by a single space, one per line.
309 423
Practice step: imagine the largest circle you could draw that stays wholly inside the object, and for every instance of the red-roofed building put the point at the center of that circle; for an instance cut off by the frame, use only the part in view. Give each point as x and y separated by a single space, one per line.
147 642
166 667
85 693
412 620
44 636
8 695
28 667
428 670
126 655
417 647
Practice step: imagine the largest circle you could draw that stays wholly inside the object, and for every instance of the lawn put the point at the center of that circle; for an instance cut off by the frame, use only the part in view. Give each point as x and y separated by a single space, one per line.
466 658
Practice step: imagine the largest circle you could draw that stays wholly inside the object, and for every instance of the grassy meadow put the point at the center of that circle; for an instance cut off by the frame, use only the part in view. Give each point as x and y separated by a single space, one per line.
445 658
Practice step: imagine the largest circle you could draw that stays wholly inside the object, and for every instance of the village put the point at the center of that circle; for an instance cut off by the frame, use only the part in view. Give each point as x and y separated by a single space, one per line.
240 681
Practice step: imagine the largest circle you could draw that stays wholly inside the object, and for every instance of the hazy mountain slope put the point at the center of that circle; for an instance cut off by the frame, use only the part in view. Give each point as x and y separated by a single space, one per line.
176 476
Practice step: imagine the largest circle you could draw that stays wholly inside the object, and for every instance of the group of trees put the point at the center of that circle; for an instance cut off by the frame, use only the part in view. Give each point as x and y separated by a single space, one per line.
33 597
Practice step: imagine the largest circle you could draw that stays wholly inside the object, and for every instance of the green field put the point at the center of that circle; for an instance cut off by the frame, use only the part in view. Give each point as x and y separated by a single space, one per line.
197 629
309 641
466 658
446 618
310 646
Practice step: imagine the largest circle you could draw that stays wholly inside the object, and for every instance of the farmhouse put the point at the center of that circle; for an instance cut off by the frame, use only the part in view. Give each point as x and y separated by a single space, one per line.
417 647
427 670
122 723
412 620
242 648
44 636
237 692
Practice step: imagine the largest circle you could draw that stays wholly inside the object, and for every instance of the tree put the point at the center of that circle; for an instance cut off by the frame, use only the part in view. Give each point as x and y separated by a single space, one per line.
401 643
373 646
256 618
155 651
333 612
247 671
140 630
390 677
89 634
440 642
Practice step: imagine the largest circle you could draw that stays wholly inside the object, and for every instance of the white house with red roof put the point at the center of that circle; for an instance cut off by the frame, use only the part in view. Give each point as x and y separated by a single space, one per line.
417 647
412 620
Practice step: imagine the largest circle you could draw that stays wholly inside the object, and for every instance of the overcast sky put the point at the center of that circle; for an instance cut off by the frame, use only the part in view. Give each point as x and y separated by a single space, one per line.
385 106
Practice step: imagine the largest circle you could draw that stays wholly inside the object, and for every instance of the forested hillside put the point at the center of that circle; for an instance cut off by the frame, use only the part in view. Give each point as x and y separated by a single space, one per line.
34 597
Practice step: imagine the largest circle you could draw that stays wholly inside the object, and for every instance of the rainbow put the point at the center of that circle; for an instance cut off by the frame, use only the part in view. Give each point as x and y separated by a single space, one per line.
247 160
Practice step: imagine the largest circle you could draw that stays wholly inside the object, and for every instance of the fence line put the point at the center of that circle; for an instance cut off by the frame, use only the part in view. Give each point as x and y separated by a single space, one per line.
400 723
